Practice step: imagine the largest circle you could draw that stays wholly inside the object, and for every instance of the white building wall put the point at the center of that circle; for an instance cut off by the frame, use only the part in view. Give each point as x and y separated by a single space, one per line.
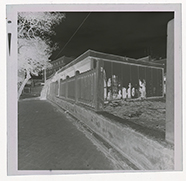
81 66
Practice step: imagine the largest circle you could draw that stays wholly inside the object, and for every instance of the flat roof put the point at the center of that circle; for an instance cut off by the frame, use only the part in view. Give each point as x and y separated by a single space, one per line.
61 58
111 58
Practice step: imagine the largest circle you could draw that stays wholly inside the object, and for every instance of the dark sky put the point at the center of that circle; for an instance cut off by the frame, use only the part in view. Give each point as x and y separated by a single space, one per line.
131 34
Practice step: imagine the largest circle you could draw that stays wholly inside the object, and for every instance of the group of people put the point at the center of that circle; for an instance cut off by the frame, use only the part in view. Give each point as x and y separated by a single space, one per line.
114 90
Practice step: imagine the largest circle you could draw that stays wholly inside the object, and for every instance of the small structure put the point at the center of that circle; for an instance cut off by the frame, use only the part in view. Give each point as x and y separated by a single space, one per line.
95 78
57 64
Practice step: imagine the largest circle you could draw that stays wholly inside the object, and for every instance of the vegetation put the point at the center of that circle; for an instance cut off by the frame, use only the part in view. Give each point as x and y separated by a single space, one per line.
34 44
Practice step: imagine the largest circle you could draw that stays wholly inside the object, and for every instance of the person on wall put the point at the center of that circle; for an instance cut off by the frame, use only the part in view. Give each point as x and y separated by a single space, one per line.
129 91
124 93
133 92
109 89
142 88
119 96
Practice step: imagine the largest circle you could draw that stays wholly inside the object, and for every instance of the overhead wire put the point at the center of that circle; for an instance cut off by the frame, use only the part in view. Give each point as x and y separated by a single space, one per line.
73 34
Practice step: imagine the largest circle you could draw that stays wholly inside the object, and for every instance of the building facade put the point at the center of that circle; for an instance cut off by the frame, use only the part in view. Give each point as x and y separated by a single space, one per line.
95 78
57 64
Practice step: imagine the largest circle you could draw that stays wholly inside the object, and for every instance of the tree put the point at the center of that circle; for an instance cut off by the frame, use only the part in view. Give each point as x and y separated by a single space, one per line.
34 44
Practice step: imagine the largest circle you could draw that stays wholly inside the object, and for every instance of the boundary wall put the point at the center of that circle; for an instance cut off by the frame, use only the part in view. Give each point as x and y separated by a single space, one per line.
145 152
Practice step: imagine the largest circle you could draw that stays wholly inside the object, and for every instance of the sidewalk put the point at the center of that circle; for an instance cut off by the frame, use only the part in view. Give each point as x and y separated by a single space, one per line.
47 140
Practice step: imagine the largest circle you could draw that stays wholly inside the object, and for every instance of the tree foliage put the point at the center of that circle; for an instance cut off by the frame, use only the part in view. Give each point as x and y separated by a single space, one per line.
32 24
33 55
34 44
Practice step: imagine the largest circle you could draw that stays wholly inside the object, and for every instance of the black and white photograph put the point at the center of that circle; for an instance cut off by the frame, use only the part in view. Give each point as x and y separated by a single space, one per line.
91 89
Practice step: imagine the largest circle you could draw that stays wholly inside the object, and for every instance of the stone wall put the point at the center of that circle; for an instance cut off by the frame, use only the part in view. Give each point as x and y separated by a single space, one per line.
144 152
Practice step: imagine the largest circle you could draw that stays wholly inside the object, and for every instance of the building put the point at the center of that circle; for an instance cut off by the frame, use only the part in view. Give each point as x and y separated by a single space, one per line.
57 64
95 78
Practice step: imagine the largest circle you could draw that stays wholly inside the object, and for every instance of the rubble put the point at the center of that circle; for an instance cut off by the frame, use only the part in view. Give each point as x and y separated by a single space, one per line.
149 113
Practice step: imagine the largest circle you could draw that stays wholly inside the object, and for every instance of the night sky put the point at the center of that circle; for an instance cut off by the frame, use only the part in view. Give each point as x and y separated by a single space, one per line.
131 34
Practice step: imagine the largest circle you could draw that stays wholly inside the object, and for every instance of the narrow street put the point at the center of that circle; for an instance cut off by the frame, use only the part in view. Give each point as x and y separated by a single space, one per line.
47 140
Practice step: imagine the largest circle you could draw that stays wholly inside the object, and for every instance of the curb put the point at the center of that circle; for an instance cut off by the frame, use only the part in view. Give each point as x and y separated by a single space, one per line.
29 99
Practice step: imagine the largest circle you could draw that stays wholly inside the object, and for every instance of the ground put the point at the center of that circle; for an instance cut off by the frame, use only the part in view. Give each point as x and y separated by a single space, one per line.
47 140
148 113
31 92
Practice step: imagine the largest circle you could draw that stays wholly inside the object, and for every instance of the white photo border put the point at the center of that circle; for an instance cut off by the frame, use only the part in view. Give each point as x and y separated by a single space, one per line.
12 123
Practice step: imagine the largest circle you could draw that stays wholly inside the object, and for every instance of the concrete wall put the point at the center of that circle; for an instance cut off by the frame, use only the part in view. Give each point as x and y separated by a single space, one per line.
145 153
82 66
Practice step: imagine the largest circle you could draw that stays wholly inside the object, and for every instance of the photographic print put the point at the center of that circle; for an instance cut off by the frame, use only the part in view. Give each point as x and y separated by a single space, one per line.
91 89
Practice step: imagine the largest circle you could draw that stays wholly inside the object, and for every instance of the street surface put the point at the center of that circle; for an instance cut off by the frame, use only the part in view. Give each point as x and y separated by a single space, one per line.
47 140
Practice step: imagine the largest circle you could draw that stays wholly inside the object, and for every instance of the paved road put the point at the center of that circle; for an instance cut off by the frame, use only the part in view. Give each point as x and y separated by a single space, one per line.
47 140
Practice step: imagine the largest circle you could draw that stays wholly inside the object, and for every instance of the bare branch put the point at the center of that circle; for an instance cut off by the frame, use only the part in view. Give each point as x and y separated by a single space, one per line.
34 51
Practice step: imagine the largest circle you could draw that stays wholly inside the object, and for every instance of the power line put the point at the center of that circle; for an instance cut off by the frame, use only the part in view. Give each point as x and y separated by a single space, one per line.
73 35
